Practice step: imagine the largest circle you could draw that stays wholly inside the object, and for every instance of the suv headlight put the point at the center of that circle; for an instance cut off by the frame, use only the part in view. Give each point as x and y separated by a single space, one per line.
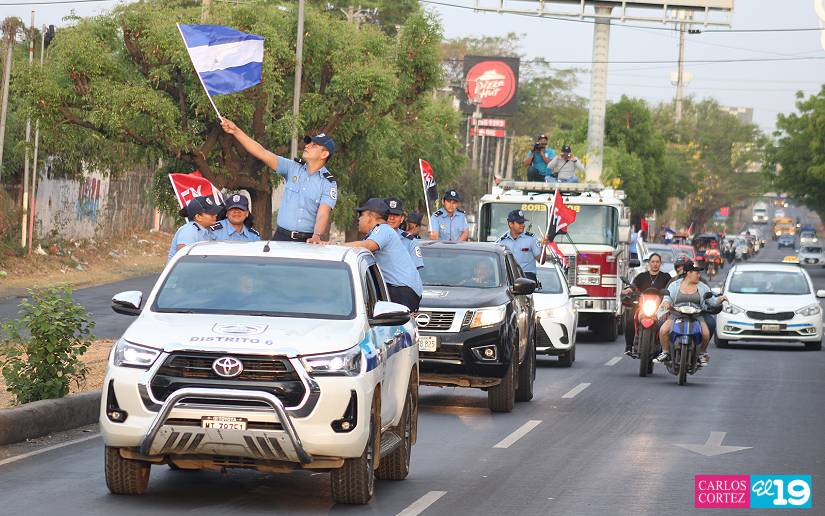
550 312
732 309
127 354
345 363
813 309
488 317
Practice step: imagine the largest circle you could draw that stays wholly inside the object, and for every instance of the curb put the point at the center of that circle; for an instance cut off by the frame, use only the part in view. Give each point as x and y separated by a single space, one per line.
44 417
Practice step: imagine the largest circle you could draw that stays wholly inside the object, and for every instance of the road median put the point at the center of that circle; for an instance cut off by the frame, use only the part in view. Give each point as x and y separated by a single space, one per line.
44 417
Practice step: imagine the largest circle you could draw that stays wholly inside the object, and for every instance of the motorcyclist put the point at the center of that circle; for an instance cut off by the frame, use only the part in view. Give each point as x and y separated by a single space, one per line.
654 278
679 268
689 289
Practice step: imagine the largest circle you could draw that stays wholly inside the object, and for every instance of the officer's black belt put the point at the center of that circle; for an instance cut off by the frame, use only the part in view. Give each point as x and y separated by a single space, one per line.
292 235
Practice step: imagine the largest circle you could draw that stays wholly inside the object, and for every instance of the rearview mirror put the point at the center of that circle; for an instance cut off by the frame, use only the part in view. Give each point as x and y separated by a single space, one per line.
820 293
577 292
523 287
387 313
633 263
127 303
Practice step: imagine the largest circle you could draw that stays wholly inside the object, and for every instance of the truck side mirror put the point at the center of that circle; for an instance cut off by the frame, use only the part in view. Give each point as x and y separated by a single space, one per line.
127 303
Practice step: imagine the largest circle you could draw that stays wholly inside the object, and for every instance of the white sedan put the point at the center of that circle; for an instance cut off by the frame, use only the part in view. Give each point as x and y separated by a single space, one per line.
770 302
556 317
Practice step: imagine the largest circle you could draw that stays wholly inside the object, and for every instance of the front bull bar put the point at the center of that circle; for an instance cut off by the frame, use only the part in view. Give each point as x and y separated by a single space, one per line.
225 394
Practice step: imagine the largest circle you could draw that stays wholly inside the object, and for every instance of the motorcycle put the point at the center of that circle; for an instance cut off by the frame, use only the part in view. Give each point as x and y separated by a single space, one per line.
646 346
714 261
686 337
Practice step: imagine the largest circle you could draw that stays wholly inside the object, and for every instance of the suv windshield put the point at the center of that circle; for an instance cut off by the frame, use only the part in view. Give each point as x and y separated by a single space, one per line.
768 282
454 268
549 282
258 286
814 250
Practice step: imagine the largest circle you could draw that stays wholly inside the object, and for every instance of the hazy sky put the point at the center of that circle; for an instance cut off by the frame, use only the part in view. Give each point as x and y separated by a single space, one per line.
768 87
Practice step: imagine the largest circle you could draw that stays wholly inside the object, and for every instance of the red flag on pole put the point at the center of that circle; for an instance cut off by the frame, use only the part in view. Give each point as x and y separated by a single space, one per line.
428 180
189 186
644 226
553 248
561 216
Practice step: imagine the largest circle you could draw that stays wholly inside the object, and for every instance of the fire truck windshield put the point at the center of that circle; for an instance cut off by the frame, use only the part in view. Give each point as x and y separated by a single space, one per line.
594 225
494 219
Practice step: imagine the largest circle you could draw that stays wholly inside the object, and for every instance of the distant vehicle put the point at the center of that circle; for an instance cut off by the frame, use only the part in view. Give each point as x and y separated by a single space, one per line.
785 241
811 255
783 226
760 213
556 315
667 253
688 250
807 235
778 213
770 302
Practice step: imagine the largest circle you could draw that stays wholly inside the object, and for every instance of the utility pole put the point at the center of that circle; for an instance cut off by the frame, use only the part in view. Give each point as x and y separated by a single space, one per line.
205 4
598 93
24 225
33 195
680 74
476 118
296 89
10 32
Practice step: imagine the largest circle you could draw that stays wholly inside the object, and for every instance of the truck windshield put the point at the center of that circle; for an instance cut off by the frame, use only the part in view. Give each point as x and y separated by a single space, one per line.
594 225
258 286
460 268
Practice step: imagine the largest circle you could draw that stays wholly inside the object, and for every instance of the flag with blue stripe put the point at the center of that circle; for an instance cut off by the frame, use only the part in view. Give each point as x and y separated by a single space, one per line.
227 60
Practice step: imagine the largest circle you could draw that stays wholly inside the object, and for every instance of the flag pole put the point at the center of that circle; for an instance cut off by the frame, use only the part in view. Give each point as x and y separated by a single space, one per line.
549 224
199 75
424 186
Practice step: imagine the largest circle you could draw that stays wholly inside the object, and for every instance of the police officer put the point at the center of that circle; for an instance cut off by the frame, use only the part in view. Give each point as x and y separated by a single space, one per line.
402 278
395 218
237 226
311 190
414 220
449 222
202 213
524 246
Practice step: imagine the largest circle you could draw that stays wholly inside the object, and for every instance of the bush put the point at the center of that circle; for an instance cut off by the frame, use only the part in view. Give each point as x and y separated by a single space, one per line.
41 350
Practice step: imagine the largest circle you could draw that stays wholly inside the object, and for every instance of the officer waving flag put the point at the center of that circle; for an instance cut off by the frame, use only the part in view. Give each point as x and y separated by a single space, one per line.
561 216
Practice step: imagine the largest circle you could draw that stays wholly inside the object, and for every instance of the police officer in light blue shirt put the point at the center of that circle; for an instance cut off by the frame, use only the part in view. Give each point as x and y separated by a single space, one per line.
395 218
449 222
524 246
237 226
310 191
202 213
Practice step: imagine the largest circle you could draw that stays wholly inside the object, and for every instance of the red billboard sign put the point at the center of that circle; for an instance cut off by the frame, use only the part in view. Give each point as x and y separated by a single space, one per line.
493 82
487 131
492 122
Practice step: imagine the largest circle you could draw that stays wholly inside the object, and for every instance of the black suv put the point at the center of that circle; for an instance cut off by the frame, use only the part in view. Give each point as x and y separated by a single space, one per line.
476 321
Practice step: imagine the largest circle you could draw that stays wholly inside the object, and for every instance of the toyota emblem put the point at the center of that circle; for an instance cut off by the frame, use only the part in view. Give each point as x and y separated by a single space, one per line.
422 319
227 367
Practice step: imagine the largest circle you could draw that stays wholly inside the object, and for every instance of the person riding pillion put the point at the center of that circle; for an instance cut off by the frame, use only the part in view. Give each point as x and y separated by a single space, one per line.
310 191
237 226
525 247
449 222
538 158
395 218
564 167
202 213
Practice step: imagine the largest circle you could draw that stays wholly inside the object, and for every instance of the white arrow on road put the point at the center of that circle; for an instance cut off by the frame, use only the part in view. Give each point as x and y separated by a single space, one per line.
713 446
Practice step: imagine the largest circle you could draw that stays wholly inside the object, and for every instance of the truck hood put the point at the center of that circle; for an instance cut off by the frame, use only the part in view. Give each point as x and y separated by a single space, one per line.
463 297
244 334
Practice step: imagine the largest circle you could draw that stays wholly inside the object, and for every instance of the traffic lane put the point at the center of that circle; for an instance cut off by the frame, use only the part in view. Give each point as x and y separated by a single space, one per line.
98 301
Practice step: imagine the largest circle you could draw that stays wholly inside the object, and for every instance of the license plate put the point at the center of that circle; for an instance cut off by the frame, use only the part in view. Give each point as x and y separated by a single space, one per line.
223 422
771 327
427 343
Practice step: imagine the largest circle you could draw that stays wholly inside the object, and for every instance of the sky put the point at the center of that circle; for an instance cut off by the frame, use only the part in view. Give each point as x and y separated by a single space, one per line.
767 86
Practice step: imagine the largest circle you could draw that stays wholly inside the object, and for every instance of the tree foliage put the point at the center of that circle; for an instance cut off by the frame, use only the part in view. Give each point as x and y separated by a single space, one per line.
120 89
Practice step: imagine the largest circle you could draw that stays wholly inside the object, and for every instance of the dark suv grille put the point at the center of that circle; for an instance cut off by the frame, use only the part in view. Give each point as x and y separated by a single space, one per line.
273 375
439 320
779 316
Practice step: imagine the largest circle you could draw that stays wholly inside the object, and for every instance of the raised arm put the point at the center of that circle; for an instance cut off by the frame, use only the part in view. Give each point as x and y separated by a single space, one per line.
270 159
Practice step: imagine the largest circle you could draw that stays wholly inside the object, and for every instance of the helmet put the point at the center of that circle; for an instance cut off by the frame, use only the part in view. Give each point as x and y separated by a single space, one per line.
682 261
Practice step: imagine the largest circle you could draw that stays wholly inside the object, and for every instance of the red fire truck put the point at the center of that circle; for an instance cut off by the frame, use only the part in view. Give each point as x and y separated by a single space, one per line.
596 244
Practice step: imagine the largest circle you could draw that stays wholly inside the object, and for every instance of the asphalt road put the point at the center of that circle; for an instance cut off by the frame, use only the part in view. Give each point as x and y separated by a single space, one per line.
601 441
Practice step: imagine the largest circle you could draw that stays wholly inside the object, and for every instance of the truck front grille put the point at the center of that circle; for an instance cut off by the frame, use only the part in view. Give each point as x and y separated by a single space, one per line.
438 320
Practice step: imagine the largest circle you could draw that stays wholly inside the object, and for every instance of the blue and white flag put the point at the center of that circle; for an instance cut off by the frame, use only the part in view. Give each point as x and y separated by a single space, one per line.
227 60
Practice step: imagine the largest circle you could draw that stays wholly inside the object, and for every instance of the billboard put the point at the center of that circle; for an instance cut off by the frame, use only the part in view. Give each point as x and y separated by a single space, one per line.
492 81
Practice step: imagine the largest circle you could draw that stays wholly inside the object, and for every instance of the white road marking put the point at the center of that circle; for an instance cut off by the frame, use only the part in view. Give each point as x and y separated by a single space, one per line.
421 505
518 434
575 390
613 361
47 449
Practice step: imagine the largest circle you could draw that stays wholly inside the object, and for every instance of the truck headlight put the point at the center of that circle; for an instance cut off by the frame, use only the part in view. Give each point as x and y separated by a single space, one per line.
809 310
488 317
550 312
345 363
732 309
127 354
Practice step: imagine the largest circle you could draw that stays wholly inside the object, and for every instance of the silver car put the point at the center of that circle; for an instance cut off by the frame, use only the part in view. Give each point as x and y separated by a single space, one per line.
811 255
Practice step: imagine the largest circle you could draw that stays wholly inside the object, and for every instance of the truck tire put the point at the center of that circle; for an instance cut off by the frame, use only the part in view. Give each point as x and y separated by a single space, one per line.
527 374
396 464
354 483
125 476
610 328
502 397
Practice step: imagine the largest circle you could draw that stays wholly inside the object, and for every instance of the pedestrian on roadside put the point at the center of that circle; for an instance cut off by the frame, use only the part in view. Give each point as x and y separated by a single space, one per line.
449 223
564 167
525 247
310 192
395 218
237 226
202 213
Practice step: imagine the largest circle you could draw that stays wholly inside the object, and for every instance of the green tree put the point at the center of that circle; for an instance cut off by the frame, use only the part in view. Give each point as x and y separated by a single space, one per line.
120 89
799 152
390 15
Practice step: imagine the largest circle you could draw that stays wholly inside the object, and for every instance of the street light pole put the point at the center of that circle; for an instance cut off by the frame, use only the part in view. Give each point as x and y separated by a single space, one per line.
296 89
24 225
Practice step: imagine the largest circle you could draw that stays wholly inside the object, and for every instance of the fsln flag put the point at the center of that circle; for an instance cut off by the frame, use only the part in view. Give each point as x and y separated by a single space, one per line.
553 249
428 179
561 217
227 60
189 186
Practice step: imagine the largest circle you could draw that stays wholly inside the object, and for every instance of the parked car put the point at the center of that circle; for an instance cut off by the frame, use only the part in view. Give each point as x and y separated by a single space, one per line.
238 360
688 250
477 321
556 315
811 255
770 302
785 241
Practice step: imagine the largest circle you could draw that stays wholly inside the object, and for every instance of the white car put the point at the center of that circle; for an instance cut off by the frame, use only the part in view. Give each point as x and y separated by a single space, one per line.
811 255
267 356
770 302
556 317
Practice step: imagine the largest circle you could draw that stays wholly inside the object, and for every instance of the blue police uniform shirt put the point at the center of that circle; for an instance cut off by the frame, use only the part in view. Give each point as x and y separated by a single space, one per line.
525 248
394 260
303 195
411 243
189 233
539 163
448 227
223 230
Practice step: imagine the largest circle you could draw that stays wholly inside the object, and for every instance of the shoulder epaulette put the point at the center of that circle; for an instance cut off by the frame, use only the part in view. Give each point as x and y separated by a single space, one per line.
215 227
528 233
406 235
438 213
328 175
503 236
459 210
254 231
299 161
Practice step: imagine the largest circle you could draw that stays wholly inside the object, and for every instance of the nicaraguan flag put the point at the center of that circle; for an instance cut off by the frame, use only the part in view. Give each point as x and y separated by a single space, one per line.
227 60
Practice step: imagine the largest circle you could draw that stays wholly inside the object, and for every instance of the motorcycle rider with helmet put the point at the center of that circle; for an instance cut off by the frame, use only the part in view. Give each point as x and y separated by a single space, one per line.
652 278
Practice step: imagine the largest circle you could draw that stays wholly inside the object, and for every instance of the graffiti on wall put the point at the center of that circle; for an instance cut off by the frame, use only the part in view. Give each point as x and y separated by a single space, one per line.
88 199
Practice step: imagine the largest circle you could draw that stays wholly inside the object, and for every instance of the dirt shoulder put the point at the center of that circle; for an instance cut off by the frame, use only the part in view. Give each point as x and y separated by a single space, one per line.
84 263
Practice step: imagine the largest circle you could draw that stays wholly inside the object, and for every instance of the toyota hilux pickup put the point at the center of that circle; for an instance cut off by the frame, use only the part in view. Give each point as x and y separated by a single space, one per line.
265 356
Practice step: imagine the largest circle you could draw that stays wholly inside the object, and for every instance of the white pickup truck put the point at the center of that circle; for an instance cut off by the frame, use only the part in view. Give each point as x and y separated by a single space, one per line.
267 356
